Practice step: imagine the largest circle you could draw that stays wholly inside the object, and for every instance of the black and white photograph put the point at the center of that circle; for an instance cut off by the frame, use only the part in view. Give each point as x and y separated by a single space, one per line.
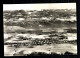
40 29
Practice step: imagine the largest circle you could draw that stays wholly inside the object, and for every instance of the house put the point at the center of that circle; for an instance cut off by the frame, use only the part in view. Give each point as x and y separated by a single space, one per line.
72 36
21 19
5 19
61 19
45 18
72 18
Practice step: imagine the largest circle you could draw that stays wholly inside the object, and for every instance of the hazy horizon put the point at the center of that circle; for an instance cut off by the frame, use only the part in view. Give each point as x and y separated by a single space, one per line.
39 6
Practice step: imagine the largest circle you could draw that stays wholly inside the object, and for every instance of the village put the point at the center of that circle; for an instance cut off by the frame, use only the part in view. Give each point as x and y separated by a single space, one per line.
46 29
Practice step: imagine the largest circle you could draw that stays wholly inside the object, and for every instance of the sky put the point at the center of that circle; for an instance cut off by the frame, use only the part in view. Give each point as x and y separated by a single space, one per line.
39 6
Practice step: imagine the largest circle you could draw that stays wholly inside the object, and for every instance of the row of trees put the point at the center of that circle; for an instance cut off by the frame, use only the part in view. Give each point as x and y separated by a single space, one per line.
13 14
42 13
